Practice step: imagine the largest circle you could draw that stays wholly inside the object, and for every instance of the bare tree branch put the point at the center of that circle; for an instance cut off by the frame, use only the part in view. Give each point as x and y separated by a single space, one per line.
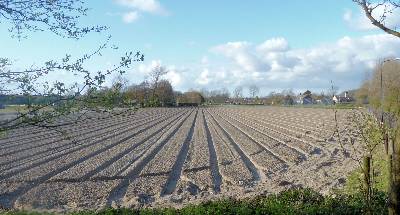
58 16
368 8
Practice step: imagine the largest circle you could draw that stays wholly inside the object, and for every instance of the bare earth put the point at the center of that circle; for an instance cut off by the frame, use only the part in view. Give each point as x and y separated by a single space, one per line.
172 156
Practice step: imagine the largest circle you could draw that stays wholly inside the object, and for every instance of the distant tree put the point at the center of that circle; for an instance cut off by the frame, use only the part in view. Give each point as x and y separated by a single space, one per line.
333 90
361 94
390 87
139 93
218 96
120 82
156 75
165 93
253 90
119 88
275 98
288 100
205 93
191 97
238 93
224 95
288 97
215 96
177 96
288 92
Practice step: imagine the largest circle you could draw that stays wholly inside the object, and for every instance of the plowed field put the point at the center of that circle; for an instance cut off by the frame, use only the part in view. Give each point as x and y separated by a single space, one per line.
171 156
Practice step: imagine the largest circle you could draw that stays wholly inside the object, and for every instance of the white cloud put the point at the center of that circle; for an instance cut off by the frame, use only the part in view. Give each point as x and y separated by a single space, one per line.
174 77
204 60
359 21
150 6
277 66
243 54
203 79
130 17
145 69
274 45
273 65
137 7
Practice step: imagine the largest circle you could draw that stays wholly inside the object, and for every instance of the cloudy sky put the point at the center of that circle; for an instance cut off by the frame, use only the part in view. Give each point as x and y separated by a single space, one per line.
275 44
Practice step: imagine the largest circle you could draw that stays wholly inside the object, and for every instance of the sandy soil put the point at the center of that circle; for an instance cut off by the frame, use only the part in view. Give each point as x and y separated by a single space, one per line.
173 157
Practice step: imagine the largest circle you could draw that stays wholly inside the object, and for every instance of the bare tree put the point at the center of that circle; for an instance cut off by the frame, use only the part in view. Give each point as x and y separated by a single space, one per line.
275 98
217 96
253 90
120 82
60 17
238 92
224 94
332 90
379 20
155 76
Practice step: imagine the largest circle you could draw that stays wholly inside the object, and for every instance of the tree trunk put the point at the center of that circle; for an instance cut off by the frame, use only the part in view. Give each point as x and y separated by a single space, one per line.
394 186
367 181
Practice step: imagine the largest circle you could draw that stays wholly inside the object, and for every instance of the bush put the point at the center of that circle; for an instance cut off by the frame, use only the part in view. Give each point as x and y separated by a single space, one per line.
295 201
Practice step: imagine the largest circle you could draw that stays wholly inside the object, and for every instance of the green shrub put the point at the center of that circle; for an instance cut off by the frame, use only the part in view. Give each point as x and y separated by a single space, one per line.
295 201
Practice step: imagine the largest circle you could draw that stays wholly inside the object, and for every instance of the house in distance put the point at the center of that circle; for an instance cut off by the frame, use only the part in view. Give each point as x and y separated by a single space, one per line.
343 99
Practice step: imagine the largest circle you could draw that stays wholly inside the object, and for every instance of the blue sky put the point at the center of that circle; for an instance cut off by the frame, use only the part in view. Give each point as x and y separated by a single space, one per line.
275 44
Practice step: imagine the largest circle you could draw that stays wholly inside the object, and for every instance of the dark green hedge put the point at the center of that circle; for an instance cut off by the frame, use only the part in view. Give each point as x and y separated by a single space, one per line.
298 201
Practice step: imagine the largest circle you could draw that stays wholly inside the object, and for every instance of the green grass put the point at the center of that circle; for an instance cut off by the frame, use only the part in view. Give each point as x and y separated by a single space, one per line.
296 201
381 175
